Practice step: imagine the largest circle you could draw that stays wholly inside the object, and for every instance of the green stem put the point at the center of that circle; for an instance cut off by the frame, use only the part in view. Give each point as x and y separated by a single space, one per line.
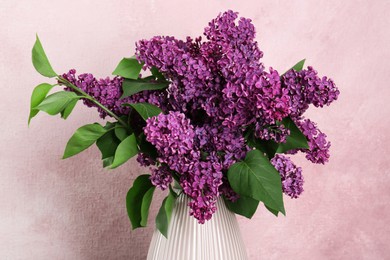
86 96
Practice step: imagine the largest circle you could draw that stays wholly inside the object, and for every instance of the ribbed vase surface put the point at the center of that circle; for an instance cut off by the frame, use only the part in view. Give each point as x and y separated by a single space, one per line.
218 238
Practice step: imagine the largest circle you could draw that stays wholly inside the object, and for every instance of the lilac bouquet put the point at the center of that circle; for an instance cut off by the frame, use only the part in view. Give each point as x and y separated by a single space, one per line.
208 116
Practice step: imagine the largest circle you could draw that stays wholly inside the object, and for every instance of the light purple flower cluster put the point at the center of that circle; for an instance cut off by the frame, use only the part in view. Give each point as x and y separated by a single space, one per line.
291 175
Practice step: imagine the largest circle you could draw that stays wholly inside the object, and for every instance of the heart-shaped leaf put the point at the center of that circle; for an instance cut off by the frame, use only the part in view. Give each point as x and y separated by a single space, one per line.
244 206
256 177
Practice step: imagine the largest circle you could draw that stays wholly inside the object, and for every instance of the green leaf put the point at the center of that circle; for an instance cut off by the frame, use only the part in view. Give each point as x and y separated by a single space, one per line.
157 74
38 95
164 214
173 193
146 200
275 212
107 145
244 206
110 125
131 87
269 147
145 110
126 149
298 66
57 102
147 147
120 132
83 138
256 177
128 68
68 109
40 61
295 140
108 161
138 201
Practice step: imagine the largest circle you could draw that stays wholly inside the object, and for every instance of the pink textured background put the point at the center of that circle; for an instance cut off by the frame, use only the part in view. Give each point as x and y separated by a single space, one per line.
73 209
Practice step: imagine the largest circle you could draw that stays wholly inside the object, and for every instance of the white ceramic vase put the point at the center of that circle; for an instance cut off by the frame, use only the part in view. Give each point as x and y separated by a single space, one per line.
217 239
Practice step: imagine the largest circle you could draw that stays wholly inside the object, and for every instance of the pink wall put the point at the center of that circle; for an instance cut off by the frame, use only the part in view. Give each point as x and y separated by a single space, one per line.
73 209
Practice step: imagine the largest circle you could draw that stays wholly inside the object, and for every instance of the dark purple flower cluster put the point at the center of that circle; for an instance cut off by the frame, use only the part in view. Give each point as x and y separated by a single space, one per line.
221 87
277 133
291 175
219 91
318 151
107 91
161 177
174 137
305 88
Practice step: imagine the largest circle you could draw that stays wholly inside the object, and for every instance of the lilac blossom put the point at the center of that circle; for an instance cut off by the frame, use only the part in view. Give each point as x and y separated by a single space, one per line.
106 91
161 177
173 136
305 88
291 175
218 89
318 151
277 133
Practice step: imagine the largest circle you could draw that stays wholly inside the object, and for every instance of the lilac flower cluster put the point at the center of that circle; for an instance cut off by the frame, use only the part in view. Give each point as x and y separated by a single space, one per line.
318 151
291 175
305 88
173 136
277 133
107 91
161 177
222 88
218 90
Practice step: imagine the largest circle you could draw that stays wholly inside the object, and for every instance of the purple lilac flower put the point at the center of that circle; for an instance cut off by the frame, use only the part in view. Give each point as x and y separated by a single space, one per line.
202 185
145 160
107 91
161 177
227 63
173 136
217 89
229 143
277 133
306 88
318 151
291 175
